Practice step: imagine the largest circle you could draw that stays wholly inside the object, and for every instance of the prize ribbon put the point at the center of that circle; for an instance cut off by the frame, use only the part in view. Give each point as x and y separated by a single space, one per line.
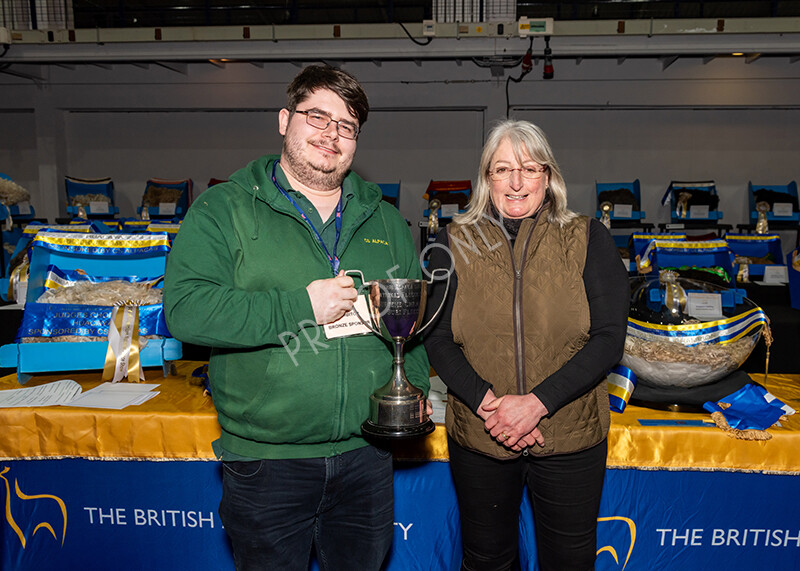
135 225
682 208
721 331
122 355
18 279
692 247
621 384
751 408
103 244
57 319
170 227
655 244
752 237
83 228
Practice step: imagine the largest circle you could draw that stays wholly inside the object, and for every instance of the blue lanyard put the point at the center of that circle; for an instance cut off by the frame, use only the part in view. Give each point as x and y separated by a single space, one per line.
333 260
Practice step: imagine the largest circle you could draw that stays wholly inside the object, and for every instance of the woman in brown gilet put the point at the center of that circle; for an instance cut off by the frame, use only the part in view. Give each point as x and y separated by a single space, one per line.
535 316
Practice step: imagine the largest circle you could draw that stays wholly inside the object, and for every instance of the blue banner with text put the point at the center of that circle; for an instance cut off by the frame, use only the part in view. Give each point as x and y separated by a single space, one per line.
132 515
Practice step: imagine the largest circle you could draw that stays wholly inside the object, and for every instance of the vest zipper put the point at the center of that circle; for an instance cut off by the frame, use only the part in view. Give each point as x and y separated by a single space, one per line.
519 345
519 322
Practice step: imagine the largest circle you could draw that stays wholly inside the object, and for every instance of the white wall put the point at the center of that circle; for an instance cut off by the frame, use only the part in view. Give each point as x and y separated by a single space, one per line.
608 121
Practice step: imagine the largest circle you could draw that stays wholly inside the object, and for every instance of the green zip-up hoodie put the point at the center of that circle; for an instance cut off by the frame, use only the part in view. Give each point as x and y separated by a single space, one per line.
236 281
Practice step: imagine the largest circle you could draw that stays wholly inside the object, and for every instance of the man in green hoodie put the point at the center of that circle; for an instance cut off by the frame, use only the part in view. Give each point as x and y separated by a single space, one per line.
256 273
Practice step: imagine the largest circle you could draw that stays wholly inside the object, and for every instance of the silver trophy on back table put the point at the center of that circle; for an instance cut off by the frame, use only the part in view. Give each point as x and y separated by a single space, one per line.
396 309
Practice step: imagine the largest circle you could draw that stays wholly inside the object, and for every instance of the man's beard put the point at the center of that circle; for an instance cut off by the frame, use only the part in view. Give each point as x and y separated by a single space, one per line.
319 176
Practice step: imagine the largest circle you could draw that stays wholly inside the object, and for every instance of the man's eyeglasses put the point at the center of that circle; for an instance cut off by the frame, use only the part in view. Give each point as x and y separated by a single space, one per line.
320 121
530 173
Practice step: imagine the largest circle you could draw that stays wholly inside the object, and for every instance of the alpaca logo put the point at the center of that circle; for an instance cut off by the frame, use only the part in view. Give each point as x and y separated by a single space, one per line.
610 548
38 497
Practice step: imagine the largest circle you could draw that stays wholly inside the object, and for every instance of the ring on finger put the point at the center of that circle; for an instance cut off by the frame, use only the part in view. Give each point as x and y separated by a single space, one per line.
504 436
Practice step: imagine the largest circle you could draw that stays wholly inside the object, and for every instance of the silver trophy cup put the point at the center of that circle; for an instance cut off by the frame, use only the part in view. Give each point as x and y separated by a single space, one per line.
396 309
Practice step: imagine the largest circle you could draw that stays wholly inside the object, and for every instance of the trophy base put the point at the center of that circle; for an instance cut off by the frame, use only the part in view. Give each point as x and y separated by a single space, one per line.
373 430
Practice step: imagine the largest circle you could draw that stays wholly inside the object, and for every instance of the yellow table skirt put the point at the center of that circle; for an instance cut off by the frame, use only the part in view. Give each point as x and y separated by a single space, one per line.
181 423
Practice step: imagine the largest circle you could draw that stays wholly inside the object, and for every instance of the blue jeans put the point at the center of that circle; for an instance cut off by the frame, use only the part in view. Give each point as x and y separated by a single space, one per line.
276 511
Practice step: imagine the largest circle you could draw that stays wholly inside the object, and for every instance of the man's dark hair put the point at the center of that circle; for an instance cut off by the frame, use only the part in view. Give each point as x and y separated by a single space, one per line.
343 84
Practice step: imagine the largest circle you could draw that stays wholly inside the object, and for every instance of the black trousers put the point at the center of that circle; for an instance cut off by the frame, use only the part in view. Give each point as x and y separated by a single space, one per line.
564 492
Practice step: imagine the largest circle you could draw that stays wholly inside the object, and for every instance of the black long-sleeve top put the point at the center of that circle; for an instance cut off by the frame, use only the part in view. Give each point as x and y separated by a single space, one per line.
607 290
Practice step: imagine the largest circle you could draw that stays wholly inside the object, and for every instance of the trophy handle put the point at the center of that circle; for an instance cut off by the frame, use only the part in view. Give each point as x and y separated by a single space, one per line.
361 319
444 299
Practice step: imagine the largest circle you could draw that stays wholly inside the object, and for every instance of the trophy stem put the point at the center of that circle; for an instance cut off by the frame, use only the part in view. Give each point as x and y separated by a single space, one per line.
398 374
397 410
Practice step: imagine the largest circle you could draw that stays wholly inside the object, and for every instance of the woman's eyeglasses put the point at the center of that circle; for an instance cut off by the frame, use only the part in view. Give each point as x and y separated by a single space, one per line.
530 173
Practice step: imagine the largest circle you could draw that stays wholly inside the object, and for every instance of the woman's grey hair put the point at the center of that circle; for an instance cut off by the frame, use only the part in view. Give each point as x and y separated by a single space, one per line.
527 140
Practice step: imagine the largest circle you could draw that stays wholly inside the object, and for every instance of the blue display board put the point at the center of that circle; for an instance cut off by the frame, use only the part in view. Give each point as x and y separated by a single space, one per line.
82 514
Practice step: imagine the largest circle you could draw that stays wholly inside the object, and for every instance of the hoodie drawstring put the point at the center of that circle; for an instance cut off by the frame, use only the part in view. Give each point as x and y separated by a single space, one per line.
254 236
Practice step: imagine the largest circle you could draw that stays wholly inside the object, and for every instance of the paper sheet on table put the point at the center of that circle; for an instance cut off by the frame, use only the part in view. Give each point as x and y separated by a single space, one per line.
115 395
55 393
438 398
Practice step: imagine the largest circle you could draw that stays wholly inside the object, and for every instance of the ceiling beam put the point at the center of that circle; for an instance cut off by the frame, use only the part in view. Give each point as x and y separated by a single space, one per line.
299 46
181 68
667 61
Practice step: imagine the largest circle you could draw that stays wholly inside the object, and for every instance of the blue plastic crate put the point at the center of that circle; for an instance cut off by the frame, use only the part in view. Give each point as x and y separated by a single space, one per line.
144 255
169 210
633 188
20 212
728 298
755 246
95 254
773 194
76 187
391 193
22 237
449 192
31 358
700 254
702 191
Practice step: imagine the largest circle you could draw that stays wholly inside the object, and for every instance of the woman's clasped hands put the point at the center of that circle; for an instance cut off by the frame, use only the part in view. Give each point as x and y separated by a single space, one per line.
513 420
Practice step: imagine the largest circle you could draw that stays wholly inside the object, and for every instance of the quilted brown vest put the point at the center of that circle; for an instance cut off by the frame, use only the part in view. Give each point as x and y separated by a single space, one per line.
518 321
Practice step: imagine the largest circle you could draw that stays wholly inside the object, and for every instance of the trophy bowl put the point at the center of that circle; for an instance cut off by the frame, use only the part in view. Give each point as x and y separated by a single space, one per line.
398 409
668 346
